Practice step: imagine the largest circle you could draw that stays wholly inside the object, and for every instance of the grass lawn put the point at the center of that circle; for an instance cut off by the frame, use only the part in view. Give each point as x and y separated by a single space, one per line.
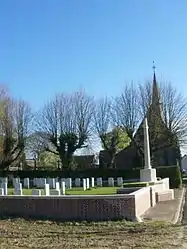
77 191
93 191
20 233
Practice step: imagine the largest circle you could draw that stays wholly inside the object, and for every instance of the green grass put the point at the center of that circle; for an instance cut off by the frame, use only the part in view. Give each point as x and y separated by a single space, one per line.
93 191
25 191
76 191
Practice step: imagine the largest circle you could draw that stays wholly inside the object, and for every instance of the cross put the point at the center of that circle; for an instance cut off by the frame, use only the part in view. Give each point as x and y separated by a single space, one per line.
154 67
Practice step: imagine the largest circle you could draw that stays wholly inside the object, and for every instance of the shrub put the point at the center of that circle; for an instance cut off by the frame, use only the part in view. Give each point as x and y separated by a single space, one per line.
174 174
104 173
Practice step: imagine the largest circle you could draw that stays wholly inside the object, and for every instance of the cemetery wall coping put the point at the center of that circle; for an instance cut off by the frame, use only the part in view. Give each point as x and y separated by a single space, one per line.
116 196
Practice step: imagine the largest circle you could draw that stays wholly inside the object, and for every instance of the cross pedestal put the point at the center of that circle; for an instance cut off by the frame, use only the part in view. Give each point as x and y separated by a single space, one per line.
148 175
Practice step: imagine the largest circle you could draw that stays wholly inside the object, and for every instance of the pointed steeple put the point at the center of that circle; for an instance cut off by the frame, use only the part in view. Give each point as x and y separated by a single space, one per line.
155 92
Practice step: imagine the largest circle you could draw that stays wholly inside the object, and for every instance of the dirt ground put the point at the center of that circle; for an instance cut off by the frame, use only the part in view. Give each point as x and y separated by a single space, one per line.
20 233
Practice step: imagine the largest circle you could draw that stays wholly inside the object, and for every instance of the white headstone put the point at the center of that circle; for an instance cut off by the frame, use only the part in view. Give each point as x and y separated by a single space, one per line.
47 189
26 182
4 179
54 192
18 189
34 182
40 182
63 188
120 181
52 183
84 184
57 186
77 182
16 181
69 183
92 182
18 186
99 182
87 183
4 185
43 182
111 182
36 192
1 191
37 182
61 181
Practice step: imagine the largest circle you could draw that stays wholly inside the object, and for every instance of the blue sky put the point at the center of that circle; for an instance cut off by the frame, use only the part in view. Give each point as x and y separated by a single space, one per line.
50 46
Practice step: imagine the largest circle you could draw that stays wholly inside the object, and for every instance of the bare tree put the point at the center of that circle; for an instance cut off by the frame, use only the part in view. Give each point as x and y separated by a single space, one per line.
174 112
37 142
102 119
127 114
126 109
144 97
65 122
102 125
15 121
109 134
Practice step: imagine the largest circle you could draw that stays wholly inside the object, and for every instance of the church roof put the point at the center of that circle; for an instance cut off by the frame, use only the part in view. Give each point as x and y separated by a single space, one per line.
154 115
155 91
155 103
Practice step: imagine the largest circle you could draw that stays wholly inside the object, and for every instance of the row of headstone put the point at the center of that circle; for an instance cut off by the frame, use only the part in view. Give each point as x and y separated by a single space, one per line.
18 190
58 190
111 182
99 182
86 183
41 182
55 188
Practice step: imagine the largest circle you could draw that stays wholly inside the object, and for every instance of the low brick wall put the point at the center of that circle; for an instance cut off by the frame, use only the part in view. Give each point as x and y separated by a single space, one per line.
91 208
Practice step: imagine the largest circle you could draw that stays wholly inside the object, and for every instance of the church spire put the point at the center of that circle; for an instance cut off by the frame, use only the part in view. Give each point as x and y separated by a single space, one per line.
155 92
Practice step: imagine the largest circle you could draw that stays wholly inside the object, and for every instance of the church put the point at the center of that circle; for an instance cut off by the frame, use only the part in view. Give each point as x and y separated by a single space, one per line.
165 150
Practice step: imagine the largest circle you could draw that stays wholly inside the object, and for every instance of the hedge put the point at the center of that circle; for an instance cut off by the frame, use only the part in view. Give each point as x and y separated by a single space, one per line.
104 173
173 172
